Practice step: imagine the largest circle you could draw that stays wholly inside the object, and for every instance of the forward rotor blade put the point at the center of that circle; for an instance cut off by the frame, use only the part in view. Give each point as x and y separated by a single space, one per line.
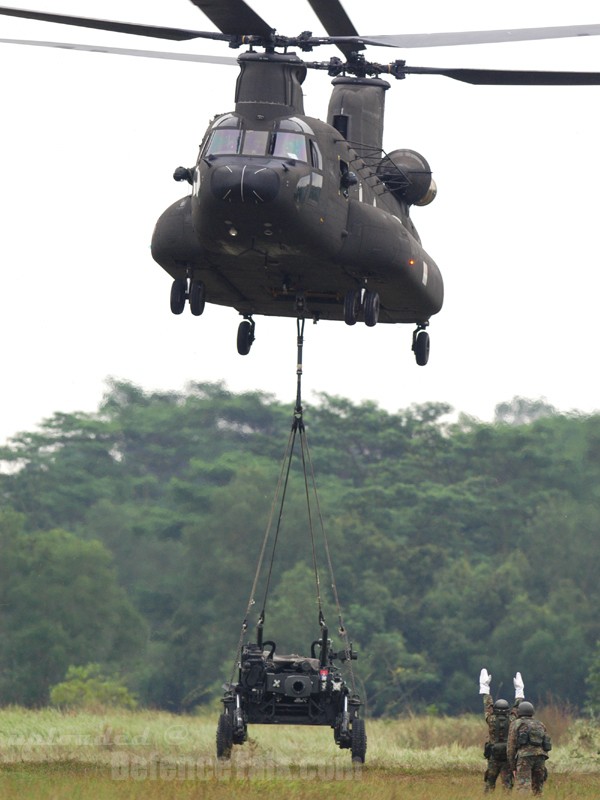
124 51
506 77
333 17
337 23
157 32
234 17
409 40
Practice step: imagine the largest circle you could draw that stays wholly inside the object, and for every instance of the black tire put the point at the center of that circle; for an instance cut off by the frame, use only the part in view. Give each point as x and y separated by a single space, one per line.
245 337
197 297
224 736
352 306
421 348
178 295
371 308
359 741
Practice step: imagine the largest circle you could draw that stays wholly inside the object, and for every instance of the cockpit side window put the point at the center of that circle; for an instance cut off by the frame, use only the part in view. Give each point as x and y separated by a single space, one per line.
289 145
315 155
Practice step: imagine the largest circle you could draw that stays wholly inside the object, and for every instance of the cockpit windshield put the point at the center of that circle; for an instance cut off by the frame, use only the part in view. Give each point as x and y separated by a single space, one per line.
278 144
289 145
255 143
224 141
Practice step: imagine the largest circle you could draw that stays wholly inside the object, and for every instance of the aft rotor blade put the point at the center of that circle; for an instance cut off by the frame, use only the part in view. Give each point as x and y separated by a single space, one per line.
125 51
337 23
507 77
234 17
409 40
155 31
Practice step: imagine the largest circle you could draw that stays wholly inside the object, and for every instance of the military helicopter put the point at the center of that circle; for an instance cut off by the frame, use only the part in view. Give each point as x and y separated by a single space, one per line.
295 217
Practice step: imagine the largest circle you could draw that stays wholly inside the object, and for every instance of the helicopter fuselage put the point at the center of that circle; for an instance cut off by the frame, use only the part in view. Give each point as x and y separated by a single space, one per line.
285 207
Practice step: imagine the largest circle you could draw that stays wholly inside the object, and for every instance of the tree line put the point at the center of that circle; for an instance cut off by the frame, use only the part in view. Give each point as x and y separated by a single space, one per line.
130 539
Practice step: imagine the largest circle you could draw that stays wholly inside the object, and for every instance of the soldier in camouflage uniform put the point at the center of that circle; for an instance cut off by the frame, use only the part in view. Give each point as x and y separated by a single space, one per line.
498 716
527 750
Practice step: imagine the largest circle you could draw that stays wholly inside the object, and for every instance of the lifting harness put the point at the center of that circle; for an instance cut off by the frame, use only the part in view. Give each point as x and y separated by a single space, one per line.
298 432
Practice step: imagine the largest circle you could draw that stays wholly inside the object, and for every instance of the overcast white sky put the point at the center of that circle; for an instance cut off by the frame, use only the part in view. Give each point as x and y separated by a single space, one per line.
88 146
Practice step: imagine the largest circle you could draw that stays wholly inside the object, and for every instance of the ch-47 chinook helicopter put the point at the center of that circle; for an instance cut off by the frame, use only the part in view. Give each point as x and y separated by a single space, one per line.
295 217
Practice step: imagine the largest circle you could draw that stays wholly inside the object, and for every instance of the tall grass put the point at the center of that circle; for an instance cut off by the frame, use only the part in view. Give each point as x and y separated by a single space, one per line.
53 755
139 739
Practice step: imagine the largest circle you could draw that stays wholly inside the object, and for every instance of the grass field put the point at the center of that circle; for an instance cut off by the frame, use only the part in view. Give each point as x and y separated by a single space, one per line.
49 755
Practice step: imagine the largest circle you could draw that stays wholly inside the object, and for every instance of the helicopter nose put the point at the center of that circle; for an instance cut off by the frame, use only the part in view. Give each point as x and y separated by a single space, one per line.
245 183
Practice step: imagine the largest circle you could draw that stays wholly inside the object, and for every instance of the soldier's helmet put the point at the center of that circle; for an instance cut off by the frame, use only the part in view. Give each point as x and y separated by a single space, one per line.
501 705
525 709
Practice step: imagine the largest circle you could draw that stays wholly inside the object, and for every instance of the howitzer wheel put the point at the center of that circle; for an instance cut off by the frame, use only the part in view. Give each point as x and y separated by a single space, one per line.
224 736
359 741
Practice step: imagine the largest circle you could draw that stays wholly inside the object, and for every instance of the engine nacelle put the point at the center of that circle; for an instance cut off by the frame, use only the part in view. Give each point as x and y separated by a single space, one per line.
407 175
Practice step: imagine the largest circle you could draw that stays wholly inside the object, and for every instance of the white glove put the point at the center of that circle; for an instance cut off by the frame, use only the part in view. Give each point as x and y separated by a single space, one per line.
485 680
519 686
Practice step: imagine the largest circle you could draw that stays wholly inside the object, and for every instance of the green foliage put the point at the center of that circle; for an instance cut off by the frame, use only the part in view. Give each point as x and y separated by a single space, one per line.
60 604
88 687
593 683
455 546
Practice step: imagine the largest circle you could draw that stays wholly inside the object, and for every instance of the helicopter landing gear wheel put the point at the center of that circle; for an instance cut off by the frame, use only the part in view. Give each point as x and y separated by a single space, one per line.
358 741
371 308
421 346
197 297
245 336
352 305
224 736
178 295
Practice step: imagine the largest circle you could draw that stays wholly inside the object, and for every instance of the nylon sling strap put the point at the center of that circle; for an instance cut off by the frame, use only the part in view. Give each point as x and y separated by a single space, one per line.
298 430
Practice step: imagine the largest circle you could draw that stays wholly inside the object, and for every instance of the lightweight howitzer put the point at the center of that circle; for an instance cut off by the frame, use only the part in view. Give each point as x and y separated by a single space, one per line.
292 690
